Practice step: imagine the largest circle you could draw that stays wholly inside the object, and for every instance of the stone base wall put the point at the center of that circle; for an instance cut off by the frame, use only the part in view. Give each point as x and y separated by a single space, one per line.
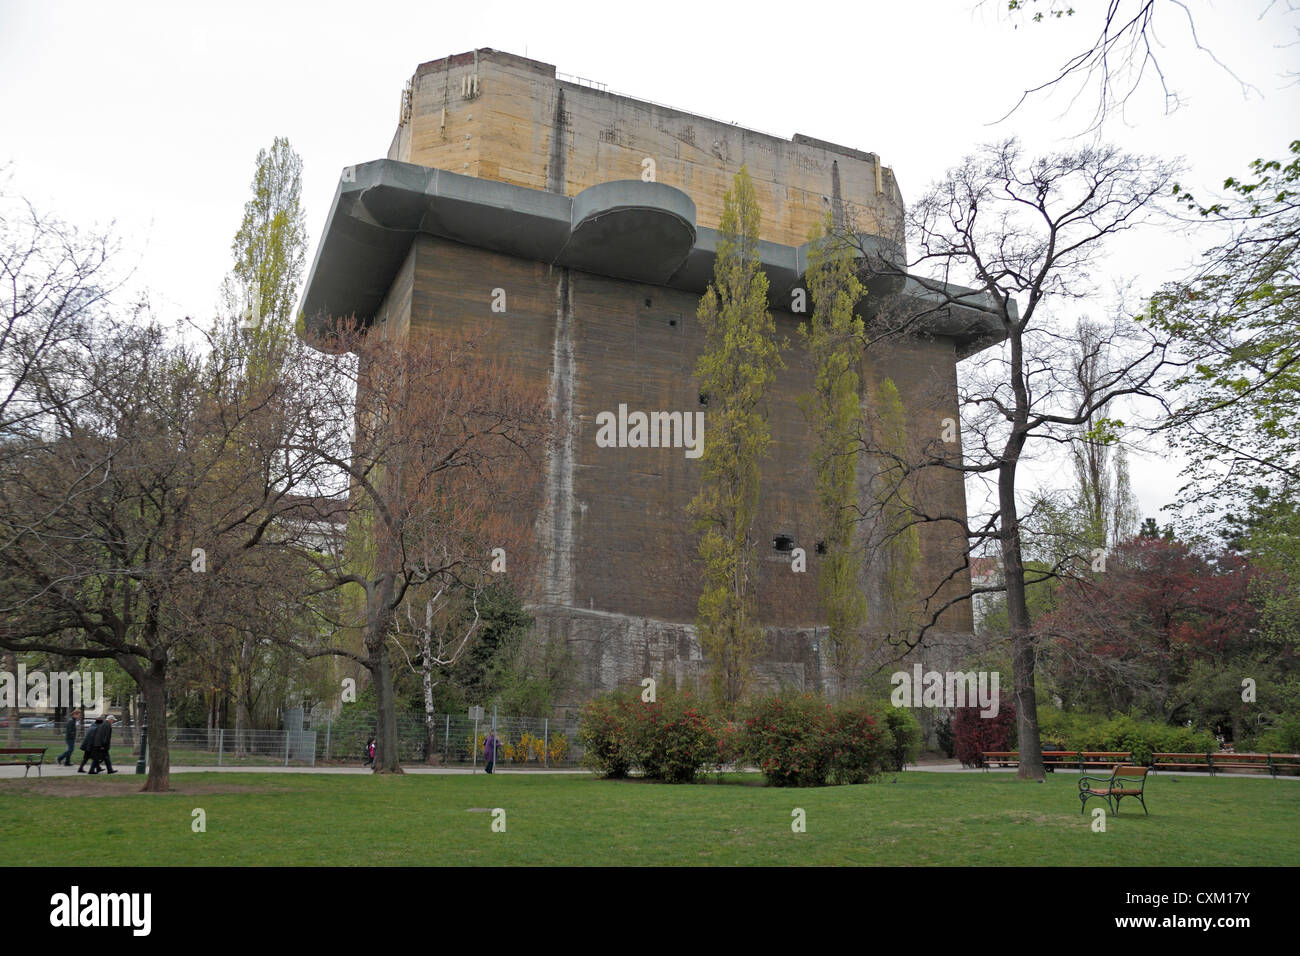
608 651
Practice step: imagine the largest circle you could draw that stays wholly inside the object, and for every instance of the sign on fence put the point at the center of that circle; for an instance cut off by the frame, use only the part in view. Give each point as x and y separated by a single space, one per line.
476 713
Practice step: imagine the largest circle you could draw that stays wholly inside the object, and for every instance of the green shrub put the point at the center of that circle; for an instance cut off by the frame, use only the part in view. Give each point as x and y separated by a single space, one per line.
672 739
787 738
860 742
1082 731
1282 739
799 740
605 728
906 732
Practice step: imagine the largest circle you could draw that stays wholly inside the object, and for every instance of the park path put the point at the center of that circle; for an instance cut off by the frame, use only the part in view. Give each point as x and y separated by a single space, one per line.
54 770
928 766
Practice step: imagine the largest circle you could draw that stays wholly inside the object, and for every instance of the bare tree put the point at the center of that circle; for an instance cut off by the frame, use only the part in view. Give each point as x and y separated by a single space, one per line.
1124 50
1099 457
1021 233
55 288
134 523
437 448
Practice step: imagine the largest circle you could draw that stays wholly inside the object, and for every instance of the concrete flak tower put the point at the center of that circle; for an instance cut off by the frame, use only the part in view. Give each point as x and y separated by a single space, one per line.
597 213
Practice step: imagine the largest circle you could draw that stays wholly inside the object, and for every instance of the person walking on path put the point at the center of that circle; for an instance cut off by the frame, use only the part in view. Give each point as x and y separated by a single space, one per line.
103 741
88 744
489 752
69 738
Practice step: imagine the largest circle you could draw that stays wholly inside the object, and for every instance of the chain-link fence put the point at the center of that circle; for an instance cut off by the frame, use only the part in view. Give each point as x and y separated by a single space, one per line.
199 747
446 740
450 739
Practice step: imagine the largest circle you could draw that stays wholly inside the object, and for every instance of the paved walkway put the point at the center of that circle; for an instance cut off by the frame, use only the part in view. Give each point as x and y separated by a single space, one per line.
950 766
954 766
128 769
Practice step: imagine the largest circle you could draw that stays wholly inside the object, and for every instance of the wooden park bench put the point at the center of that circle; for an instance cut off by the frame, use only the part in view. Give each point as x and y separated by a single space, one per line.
1104 759
1070 759
1060 758
1123 782
1162 761
1002 758
31 757
1284 763
1229 762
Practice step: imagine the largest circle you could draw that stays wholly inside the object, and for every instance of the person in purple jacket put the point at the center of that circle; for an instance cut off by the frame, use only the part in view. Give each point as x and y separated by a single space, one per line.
489 752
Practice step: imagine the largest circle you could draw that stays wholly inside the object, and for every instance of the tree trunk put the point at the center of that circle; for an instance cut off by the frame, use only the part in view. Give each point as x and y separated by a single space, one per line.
379 620
13 738
155 701
386 731
1022 643
243 697
430 731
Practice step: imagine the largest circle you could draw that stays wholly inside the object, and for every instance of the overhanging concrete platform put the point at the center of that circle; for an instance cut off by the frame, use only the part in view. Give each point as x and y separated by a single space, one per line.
628 229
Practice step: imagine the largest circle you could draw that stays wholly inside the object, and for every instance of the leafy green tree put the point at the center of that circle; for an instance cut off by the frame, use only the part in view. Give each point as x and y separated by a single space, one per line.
1236 326
252 337
834 410
270 247
740 358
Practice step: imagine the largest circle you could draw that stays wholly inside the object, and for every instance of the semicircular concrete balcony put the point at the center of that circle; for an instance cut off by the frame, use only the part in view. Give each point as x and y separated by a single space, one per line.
630 229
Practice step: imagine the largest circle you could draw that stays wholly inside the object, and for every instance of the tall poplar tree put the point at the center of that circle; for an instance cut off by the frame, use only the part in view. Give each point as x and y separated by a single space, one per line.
740 359
834 411
270 248
253 334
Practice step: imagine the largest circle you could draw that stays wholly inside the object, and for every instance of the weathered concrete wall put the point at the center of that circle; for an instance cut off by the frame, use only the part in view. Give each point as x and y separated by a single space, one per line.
616 542
524 126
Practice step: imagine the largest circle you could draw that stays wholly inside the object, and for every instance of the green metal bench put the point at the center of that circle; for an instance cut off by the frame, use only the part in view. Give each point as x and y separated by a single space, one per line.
1123 782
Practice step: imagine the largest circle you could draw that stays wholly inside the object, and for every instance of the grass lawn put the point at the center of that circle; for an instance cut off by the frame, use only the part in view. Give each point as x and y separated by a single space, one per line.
441 820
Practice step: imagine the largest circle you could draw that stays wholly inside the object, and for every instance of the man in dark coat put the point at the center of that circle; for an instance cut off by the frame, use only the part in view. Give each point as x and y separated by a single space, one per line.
69 738
103 740
88 744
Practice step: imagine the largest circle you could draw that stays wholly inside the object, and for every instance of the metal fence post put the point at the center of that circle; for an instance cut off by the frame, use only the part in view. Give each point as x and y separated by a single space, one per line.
329 722
286 748
546 743
446 740
221 743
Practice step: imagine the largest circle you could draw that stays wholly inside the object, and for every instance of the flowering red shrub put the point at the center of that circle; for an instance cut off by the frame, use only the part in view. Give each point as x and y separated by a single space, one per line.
973 734
673 739
801 741
860 742
787 738
605 729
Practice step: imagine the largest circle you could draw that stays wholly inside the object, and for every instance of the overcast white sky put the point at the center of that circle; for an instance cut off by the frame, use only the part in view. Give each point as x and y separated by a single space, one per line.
151 114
